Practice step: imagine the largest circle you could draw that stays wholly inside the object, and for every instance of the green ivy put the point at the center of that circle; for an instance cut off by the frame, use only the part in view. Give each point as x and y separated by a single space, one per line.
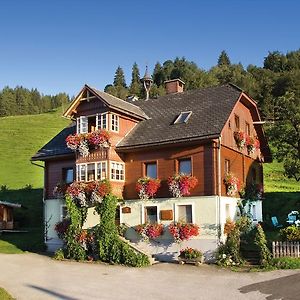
261 241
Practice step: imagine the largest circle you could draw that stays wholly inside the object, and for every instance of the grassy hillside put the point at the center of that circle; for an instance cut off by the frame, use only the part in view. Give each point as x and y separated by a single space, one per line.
20 138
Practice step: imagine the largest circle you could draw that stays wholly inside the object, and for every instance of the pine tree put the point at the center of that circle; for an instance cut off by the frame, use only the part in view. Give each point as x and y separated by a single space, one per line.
119 79
223 59
135 86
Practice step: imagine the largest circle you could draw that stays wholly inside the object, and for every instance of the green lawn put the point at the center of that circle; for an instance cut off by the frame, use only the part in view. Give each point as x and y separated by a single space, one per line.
21 137
4 295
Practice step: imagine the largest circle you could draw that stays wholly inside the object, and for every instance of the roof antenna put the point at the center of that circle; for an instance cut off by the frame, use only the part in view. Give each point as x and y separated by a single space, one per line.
147 82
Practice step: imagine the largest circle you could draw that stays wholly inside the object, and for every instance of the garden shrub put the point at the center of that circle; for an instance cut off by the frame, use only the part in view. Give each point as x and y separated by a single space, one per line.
261 241
290 233
286 263
59 254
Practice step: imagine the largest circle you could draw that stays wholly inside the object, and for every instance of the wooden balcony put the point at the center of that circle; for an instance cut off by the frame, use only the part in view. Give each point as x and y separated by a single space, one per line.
95 155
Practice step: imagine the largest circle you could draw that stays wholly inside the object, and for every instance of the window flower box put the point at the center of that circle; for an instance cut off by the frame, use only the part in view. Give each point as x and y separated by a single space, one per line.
183 231
252 144
232 184
88 194
240 139
150 231
190 256
181 185
147 187
84 142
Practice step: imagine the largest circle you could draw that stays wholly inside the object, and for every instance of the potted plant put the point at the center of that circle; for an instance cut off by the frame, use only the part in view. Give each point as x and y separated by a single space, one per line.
191 256
232 184
240 139
183 231
150 231
181 184
252 144
147 187
84 142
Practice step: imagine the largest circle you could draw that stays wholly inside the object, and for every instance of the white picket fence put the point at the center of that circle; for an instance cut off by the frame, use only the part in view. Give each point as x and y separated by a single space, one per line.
282 249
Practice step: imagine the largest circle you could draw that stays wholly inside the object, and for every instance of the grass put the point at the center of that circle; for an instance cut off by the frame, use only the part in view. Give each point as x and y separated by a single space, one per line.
4 295
21 137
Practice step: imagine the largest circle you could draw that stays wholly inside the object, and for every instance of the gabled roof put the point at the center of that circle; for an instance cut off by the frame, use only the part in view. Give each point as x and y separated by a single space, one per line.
111 101
211 108
57 146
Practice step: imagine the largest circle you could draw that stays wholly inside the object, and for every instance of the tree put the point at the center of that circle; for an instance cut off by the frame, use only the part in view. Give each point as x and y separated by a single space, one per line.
285 134
119 79
223 59
135 86
275 61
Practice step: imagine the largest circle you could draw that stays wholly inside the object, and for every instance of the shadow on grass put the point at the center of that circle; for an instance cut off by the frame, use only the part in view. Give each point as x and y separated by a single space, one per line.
285 288
29 219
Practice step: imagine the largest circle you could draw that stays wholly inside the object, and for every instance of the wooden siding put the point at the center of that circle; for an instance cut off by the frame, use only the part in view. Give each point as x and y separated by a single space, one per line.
54 173
166 159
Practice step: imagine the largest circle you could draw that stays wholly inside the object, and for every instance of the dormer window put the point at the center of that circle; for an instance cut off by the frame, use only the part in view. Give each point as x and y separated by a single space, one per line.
91 123
183 117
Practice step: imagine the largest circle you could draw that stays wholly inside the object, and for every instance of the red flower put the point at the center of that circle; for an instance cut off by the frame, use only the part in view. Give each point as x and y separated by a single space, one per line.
147 187
183 231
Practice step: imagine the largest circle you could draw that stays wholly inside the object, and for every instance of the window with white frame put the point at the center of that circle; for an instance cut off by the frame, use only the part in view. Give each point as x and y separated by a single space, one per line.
91 171
82 124
114 122
101 121
185 213
117 171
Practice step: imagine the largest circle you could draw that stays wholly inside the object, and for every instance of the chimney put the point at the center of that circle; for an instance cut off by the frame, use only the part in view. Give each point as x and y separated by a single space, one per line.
174 86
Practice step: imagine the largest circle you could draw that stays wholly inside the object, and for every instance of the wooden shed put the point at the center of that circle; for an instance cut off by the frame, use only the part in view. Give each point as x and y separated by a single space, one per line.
6 215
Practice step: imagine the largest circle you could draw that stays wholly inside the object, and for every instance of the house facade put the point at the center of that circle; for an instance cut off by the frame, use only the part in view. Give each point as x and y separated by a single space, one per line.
201 133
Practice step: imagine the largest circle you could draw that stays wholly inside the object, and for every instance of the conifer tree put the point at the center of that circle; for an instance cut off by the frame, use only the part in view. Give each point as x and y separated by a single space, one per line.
223 59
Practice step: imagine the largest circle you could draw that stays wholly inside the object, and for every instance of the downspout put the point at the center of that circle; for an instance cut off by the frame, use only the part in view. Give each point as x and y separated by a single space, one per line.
219 190
44 196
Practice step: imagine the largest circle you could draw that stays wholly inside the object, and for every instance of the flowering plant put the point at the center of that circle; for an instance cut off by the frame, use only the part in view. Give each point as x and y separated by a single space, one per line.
240 139
62 227
190 253
60 190
90 192
147 187
181 184
85 238
232 183
183 231
150 231
83 142
252 144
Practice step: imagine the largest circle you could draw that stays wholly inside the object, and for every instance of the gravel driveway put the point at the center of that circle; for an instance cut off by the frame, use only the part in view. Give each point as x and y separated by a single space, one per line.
33 276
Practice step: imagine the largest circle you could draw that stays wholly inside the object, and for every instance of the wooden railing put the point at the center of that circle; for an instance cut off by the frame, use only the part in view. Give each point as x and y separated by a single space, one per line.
282 249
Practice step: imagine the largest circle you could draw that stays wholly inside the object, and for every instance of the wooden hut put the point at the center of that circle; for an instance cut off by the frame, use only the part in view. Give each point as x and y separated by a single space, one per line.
6 215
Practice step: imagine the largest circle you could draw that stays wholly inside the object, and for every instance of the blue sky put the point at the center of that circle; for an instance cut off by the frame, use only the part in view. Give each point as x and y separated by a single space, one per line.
59 45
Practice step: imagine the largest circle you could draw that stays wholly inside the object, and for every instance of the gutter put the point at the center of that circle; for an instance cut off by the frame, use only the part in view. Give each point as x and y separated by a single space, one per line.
219 190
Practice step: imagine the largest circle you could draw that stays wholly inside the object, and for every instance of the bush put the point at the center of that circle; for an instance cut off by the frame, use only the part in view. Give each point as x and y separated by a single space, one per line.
286 263
261 241
59 254
290 233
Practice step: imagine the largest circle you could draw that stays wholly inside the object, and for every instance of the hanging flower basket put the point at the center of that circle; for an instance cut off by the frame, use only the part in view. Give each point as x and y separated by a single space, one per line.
147 187
60 190
83 143
240 139
183 231
252 144
181 185
150 231
232 183
86 194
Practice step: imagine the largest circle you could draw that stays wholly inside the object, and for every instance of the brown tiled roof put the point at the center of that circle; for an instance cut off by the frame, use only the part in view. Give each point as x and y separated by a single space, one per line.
57 146
211 108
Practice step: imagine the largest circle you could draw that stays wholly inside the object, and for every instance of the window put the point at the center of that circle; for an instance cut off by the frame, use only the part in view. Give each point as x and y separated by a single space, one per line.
117 171
82 124
90 172
183 117
227 166
247 128
151 169
185 166
101 121
68 175
151 214
185 213
237 122
114 122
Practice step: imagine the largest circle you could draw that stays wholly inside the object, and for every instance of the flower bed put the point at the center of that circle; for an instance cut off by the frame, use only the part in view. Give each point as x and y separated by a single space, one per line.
240 139
183 231
85 194
84 142
150 231
147 187
232 183
181 185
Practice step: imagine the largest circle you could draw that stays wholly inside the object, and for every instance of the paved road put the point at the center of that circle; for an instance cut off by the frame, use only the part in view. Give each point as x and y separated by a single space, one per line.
32 276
